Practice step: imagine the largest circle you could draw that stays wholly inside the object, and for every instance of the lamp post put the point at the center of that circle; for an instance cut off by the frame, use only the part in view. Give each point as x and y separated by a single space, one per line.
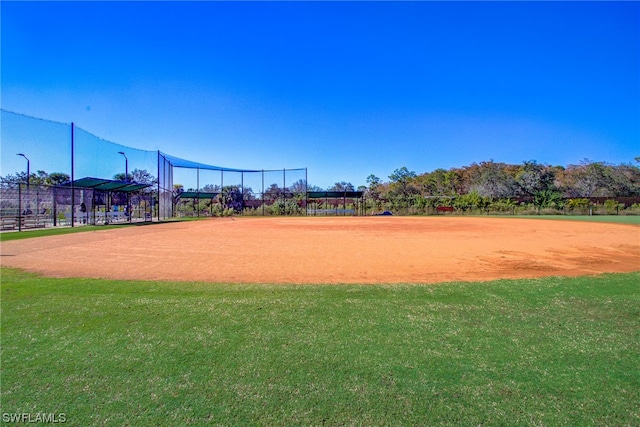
126 166
28 165
126 178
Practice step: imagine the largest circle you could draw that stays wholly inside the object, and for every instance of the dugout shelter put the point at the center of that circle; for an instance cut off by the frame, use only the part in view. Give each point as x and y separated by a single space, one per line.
335 203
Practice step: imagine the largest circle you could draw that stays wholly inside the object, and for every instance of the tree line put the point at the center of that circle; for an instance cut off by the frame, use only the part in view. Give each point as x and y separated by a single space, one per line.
471 186
141 176
488 182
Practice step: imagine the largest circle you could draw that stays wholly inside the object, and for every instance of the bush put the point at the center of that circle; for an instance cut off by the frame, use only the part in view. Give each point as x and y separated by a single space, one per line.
575 204
471 201
612 206
548 199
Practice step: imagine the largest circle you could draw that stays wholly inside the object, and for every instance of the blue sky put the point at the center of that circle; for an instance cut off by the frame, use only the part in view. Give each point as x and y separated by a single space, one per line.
347 89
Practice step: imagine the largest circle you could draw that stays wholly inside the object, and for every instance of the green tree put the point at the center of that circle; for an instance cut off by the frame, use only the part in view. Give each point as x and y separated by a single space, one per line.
341 186
140 176
494 181
548 199
273 192
401 187
299 187
39 178
231 198
373 191
533 178
57 178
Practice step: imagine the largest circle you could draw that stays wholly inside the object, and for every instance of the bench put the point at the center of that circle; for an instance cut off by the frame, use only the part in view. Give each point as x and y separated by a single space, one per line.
9 224
33 223
22 222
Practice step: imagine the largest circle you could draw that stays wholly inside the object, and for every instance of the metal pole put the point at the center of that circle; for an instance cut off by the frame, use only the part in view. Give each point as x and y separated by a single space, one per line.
54 207
73 192
126 179
306 191
164 180
19 207
28 192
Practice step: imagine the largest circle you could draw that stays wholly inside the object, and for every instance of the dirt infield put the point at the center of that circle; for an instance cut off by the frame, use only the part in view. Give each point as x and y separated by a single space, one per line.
335 250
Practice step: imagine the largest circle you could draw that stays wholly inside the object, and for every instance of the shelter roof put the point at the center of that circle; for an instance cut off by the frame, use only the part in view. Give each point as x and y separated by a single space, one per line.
106 185
325 194
197 195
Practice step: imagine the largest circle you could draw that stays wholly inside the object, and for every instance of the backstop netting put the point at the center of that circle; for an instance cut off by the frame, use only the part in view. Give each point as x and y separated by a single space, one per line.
58 155
203 189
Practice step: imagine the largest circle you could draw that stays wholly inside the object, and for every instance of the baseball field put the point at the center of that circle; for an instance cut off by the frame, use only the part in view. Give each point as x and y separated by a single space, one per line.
363 250
325 321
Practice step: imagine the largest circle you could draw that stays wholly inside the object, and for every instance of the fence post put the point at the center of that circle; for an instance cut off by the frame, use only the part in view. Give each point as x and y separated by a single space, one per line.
19 207
55 207
73 192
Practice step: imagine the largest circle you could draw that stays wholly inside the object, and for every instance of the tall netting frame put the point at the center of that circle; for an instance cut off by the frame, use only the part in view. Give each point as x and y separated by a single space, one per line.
216 190
51 148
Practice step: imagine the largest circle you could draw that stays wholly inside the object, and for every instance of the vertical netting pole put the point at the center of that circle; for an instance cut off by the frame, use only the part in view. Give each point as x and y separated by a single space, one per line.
262 197
170 174
306 192
161 177
198 191
54 207
73 191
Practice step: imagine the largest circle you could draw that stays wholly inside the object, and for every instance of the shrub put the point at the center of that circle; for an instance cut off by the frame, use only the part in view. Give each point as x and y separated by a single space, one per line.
574 204
612 206
548 199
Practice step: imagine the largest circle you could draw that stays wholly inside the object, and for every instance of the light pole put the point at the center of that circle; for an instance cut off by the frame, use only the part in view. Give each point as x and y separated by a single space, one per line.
126 166
126 178
28 165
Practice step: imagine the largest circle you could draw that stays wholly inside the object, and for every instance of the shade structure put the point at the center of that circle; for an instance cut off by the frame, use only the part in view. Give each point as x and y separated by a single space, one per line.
106 185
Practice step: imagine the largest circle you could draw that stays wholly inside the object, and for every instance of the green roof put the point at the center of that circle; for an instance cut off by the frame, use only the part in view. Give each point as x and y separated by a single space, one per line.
197 195
106 185
334 194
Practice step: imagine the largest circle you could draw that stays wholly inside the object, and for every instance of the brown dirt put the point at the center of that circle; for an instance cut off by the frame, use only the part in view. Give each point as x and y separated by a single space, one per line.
335 250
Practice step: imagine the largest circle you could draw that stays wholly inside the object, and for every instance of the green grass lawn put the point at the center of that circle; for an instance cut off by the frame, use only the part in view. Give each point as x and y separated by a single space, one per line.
615 219
53 231
554 351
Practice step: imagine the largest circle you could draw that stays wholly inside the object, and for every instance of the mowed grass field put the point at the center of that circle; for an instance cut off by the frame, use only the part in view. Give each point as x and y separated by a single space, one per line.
553 351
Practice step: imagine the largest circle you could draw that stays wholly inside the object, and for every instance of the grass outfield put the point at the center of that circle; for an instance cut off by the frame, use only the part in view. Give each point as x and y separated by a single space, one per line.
552 351
39 232
614 219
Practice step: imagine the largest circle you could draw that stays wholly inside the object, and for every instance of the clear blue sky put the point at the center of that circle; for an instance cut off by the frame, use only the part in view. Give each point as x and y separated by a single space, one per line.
345 89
